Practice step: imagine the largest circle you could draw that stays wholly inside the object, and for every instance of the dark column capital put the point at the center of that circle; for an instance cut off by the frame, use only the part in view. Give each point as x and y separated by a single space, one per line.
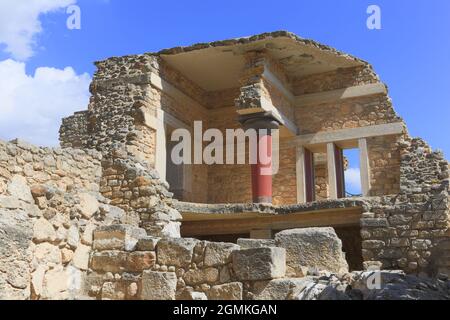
258 121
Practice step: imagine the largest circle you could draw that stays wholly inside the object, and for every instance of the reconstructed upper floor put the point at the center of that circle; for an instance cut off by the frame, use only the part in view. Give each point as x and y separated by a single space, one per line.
323 100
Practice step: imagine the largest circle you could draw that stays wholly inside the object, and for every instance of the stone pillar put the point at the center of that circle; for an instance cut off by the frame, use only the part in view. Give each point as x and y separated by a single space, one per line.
263 123
364 167
335 162
305 175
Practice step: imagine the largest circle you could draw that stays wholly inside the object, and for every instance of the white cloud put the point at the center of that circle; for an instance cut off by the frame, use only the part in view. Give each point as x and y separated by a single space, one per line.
353 180
19 23
31 106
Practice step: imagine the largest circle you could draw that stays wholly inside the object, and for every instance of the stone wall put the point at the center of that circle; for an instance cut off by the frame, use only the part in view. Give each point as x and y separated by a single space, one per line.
334 80
128 265
405 231
137 189
49 206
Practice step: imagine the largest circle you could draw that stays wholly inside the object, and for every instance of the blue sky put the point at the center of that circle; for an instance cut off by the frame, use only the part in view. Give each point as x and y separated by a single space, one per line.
411 52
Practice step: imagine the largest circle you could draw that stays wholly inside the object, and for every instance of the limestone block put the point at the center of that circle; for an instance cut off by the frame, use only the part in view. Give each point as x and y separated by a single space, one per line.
88 234
18 187
147 244
140 261
312 247
259 264
175 251
117 237
81 257
109 261
217 254
199 276
46 253
158 285
43 231
228 291
278 289
188 294
88 205
37 280
73 237
67 255
255 243
55 284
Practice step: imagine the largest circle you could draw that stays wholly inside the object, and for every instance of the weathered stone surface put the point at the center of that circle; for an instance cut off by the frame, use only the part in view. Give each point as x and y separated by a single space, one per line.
147 244
88 235
81 257
255 243
18 187
217 254
228 291
313 247
66 255
88 205
200 276
108 261
140 261
176 251
37 280
278 289
158 285
43 231
15 240
259 264
55 285
188 294
73 237
46 253
117 237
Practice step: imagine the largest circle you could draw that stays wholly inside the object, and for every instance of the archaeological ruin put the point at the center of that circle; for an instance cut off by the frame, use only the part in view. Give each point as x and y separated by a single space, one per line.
110 216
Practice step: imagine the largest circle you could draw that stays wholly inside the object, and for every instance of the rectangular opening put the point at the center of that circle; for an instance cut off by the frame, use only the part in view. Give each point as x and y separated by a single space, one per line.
352 173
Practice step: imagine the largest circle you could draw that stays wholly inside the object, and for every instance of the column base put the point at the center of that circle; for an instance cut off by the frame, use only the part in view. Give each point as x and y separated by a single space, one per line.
263 199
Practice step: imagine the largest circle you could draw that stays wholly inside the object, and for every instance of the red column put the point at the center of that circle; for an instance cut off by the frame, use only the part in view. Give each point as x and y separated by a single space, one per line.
262 171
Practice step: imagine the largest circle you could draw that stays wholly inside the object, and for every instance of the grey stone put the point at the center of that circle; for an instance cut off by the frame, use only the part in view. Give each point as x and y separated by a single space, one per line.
312 247
175 251
158 285
259 264
229 291
117 237
217 254
255 243
18 187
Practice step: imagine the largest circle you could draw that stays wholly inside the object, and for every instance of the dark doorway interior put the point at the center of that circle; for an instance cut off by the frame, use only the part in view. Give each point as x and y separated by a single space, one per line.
352 246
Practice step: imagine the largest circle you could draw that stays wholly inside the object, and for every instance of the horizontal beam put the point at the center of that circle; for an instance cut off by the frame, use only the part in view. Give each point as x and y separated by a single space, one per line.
245 223
267 106
341 94
346 134
273 79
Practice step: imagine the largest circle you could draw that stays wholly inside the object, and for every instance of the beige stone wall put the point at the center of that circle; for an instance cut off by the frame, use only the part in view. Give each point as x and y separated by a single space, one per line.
351 113
339 79
406 231
49 206
321 179
285 181
384 160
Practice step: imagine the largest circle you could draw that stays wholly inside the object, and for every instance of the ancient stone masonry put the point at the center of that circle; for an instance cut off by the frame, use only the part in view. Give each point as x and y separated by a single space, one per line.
410 231
111 216
49 207
137 189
